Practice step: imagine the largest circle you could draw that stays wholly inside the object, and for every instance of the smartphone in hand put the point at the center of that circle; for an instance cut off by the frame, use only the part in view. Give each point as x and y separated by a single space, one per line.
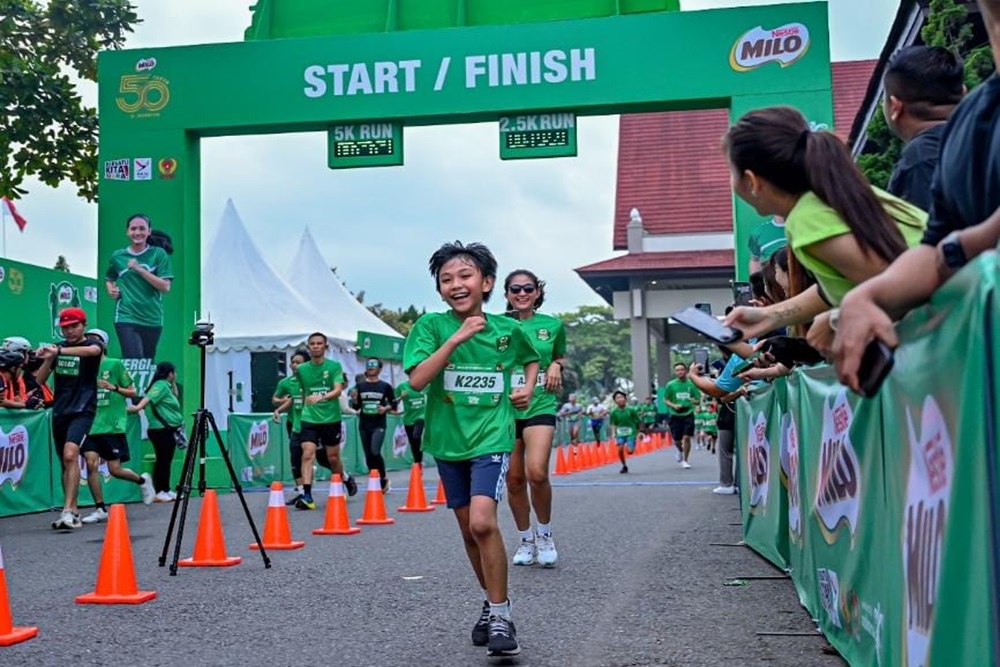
876 364
700 321
742 293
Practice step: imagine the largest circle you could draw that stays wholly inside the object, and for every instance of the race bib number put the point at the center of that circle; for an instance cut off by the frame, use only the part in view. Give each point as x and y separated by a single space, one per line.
683 396
623 431
518 380
103 398
473 382
67 365
369 408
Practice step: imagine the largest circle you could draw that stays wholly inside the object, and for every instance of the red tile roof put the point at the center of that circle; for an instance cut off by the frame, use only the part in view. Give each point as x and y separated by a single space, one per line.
671 168
663 261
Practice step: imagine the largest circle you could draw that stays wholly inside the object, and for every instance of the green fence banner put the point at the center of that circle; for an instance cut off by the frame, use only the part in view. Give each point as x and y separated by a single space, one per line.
258 448
25 461
37 295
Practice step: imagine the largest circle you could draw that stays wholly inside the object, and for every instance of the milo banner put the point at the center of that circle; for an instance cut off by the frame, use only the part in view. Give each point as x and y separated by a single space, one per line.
25 462
113 489
258 448
37 295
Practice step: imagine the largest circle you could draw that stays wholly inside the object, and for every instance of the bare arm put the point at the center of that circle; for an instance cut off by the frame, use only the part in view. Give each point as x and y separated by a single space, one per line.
802 308
843 253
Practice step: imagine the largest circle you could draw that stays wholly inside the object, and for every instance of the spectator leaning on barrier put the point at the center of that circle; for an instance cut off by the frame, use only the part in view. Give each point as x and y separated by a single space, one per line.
964 222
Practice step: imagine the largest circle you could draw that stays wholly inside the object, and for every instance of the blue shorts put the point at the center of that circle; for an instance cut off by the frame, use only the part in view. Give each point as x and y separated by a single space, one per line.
482 476
626 441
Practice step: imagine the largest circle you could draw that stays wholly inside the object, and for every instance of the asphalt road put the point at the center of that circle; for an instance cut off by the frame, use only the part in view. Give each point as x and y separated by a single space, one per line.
638 583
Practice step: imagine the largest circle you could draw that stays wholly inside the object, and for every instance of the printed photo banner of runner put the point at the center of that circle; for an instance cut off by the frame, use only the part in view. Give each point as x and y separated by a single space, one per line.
891 504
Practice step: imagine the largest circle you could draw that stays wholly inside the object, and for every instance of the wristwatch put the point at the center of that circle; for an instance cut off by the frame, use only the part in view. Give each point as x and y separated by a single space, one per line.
953 252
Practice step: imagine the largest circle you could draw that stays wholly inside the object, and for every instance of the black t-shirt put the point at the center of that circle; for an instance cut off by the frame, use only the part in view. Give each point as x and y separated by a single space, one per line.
75 384
966 189
371 395
911 179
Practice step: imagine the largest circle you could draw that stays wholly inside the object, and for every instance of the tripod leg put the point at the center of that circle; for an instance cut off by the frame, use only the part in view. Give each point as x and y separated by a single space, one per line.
184 497
185 474
236 486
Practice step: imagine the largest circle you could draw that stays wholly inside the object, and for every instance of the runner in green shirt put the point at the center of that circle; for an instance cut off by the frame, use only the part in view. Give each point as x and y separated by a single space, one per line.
464 358
414 403
680 397
535 427
647 411
164 419
137 278
625 422
322 381
106 439
710 420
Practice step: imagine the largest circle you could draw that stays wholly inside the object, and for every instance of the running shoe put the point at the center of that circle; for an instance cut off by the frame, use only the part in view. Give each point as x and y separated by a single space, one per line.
623 470
163 497
386 485
295 499
481 630
305 503
97 516
677 457
547 555
68 520
526 553
351 486
503 638
685 465
148 492
724 490
296 494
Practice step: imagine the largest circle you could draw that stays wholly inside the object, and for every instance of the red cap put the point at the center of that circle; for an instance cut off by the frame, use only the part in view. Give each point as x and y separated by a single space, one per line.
68 316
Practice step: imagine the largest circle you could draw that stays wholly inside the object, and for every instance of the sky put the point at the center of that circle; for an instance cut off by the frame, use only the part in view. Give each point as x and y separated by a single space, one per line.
549 216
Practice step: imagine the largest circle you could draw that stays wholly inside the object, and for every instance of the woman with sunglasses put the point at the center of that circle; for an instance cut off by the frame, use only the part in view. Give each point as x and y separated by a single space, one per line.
535 427
137 278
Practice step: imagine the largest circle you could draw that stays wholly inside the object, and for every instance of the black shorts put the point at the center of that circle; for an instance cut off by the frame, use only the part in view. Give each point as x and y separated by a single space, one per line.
109 446
70 428
295 448
681 425
537 420
322 435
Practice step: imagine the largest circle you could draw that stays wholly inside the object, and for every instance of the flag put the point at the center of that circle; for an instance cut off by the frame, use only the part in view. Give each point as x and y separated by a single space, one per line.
8 205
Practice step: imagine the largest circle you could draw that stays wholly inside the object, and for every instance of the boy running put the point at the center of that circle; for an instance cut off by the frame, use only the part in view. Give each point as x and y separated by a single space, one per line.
647 411
464 358
710 422
107 434
625 422
413 418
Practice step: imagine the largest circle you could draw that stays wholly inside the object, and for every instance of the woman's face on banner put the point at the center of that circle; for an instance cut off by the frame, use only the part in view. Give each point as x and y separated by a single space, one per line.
138 231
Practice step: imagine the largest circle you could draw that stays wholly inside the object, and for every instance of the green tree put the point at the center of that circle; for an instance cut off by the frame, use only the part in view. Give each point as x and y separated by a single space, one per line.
61 264
948 25
45 129
598 351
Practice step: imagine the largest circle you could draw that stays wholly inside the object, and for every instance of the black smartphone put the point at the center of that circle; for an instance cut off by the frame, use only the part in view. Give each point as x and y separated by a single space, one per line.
701 358
704 307
876 364
742 293
700 321
745 365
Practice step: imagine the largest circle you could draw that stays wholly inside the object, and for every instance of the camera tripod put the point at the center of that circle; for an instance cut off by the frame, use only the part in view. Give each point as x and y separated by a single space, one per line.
203 420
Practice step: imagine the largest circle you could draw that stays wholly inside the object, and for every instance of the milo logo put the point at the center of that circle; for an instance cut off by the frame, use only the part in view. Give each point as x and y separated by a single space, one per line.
928 490
102 468
141 371
13 455
61 295
257 439
757 461
838 484
790 467
400 443
758 46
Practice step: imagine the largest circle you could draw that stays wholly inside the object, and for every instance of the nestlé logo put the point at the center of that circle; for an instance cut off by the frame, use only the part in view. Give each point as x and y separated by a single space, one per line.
838 488
757 461
790 466
13 455
758 46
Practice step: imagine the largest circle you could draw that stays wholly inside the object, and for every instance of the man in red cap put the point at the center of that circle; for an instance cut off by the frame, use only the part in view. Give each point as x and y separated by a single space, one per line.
75 362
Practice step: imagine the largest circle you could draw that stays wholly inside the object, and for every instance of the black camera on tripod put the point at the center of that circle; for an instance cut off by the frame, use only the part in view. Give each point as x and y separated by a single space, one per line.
203 334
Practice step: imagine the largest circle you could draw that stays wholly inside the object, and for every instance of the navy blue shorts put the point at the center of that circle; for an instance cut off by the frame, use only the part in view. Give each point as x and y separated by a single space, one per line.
482 476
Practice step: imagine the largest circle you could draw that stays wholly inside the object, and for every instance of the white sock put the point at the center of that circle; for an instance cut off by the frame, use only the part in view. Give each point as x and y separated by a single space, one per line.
527 535
502 610
544 529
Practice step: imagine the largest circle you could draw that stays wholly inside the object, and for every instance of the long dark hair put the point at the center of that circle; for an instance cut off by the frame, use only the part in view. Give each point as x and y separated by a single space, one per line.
778 145
539 286
162 372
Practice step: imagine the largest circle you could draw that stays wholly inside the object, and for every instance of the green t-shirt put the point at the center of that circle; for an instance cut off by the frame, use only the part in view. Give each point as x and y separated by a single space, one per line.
698 419
111 416
161 396
290 386
625 420
469 412
812 221
414 403
318 379
548 336
682 393
138 301
766 239
709 421
648 413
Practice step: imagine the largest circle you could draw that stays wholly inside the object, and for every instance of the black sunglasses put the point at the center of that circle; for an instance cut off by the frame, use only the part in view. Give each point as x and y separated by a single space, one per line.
517 289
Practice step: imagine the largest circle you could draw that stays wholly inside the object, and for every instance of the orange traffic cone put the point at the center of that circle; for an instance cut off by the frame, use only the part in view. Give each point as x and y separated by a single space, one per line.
9 634
574 459
116 582
374 514
439 498
416 499
210 544
277 531
337 521
560 468
609 454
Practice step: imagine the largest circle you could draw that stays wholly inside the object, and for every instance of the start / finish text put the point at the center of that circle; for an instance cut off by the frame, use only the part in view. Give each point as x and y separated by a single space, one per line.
485 70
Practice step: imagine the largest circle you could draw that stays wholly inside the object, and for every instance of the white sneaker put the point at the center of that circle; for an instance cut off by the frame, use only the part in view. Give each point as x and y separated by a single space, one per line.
677 457
148 492
685 465
547 555
724 490
525 553
173 495
68 520
96 516
163 497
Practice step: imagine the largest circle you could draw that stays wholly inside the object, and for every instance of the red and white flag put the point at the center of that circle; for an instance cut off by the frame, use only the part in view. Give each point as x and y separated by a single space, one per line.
8 207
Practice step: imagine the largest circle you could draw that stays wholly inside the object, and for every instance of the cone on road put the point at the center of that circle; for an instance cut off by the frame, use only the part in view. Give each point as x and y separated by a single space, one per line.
277 531
9 633
337 521
416 499
575 465
439 498
609 454
561 467
374 514
116 583
210 543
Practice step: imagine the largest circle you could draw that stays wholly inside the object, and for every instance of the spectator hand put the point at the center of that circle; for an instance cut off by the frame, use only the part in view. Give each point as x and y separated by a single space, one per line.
521 397
861 321
821 335
753 322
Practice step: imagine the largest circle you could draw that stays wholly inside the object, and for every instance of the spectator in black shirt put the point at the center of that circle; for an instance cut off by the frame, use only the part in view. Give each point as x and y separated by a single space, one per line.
373 398
75 362
923 85
964 222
